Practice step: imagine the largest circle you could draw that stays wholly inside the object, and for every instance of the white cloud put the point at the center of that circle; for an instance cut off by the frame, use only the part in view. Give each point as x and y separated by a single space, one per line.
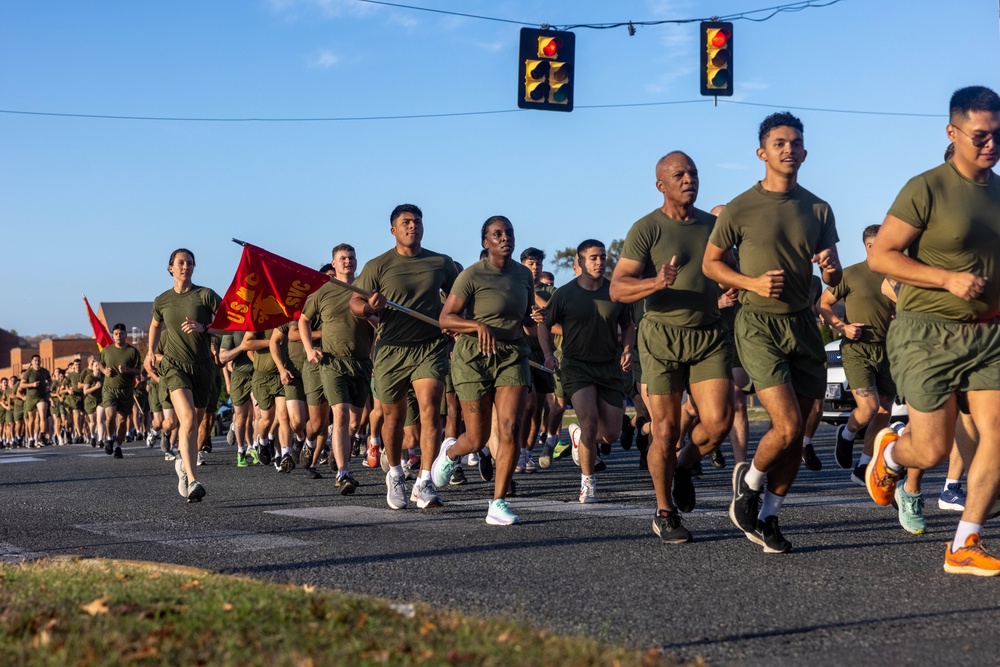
324 60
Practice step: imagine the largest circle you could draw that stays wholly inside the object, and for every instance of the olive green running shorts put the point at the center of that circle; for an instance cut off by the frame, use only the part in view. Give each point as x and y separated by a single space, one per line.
312 383
778 349
475 374
239 387
578 374
412 409
543 382
345 380
867 365
121 402
294 390
265 387
397 366
933 357
675 357
165 403
154 397
196 378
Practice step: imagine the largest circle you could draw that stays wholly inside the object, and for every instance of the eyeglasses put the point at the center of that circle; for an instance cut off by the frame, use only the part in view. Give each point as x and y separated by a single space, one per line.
980 139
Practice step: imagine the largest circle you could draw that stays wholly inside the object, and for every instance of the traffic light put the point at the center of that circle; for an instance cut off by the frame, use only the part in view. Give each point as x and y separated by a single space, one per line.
545 70
716 58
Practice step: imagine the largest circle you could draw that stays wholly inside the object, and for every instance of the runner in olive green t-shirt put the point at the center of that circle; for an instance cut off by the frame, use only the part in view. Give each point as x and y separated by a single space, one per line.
240 378
35 381
76 399
591 325
941 240
344 358
489 307
541 393
120 363
780 230
411 351
267 391
186 369
682 342
868 313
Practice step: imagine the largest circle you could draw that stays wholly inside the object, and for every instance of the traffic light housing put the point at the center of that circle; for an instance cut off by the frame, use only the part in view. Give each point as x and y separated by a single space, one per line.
546 70
716 58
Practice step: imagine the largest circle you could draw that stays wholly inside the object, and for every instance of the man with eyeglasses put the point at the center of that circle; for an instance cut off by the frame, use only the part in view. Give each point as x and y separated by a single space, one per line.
941 240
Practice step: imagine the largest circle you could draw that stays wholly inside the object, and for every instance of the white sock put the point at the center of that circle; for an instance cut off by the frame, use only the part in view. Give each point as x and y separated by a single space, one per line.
396 471
585 478
754 478
311 444
964 529
889 461
863 461
285 451
949 482
153 432
770 505
424 474
849 434
243 449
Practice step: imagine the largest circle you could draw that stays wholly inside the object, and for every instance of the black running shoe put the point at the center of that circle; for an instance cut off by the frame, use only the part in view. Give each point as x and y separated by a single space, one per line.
264 454
628 433
641 439
207 447
311 472
605 448
683 493
768 535
306 457
118 453
356 445
745 505
600 465
668 527
109 447
287 464
810 459
297 446
457 477
347 484
717 459
485 466
843 453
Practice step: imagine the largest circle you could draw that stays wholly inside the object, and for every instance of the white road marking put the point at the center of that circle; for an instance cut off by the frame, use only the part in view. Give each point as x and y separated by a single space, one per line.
183 536
19 459
10 553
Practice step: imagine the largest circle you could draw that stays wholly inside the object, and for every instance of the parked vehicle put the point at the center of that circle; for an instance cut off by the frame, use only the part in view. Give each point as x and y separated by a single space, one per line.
839 400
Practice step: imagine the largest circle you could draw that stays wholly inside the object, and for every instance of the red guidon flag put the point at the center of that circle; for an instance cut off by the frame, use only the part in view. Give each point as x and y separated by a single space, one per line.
268 291
100 331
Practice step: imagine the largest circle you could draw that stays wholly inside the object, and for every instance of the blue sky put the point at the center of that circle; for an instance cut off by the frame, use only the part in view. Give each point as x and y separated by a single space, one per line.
95 206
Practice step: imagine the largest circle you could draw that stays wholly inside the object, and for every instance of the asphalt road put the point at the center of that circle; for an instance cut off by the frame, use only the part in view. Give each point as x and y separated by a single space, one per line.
856 588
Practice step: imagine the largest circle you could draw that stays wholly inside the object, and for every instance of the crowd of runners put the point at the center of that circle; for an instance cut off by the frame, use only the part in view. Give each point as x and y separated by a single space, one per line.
426 369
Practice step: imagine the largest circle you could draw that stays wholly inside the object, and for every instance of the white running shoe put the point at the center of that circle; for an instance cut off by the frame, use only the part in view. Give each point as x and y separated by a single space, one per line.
574 437
588 490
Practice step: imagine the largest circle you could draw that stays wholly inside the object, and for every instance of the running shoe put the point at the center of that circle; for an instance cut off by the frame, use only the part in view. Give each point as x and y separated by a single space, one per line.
952 497
641 439
311 472
669 528
588 490
425 495
472 460
628 433
287 464
264 454
458 477
324 457
499 514
241 460
485 466
911 511
574 438
306 456
109 446
383 461
201 458
545 460
717 458
559 451
599 464
443 466
683 491
521 461
170 455
118 452
357 442
372 460
768 535
395 495
973 559
182 478
879 479
254 458
297 447
810 459
207 447
151 439
195 492
745 504
230 436
529 463
347 484
605 448
843 453
858 476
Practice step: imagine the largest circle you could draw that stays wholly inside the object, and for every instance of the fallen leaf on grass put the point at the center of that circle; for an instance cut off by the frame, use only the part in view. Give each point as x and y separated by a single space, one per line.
143 652
43 638
227 607
194 583
98 606
308 588
504 638
362 619
427 628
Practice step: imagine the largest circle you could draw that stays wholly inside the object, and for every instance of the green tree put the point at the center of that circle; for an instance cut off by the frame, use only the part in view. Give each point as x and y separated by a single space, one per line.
563 259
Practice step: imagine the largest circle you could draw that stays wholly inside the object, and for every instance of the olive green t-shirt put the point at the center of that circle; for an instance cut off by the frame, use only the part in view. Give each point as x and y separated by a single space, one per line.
292 350
413 282
241 362
777 230
590 321
263 362
170 309
693 300
861 290
73 380
959 221
112 356
499 298
41 375
343 334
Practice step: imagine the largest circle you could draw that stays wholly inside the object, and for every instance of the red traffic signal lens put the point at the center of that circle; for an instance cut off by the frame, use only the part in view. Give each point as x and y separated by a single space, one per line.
720 38
550 46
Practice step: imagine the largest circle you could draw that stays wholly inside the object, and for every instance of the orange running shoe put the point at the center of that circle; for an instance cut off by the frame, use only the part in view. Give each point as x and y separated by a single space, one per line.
973 558
373 455
879 479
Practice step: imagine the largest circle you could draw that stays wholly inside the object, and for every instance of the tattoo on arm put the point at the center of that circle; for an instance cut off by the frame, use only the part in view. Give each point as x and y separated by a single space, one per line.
865 392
